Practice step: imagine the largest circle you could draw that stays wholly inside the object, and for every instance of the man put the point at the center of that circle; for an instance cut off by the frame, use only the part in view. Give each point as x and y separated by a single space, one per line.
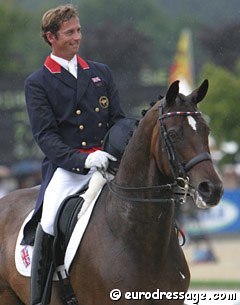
71 104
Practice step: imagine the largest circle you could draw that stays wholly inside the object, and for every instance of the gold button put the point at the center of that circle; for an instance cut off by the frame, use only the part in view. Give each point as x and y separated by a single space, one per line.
84 143
99 124
78 169
81 127
97 109
78 112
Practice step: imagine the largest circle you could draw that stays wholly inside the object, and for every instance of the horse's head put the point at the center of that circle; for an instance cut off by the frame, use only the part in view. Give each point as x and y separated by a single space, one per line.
182 151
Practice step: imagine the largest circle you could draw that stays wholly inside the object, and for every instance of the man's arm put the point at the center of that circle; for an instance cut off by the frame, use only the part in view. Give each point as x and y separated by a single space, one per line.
46 133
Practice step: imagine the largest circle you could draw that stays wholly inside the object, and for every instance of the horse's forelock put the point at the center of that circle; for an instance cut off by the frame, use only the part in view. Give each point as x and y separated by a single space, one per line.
182 103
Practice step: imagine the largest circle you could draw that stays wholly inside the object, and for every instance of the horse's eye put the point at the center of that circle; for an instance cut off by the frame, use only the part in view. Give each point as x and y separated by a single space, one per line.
172 135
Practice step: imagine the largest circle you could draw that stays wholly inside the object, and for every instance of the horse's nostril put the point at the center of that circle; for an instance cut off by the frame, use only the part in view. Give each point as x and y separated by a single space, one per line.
205 187
210 192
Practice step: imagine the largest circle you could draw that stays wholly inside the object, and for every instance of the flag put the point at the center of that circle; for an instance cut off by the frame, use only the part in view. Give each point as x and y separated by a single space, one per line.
182 67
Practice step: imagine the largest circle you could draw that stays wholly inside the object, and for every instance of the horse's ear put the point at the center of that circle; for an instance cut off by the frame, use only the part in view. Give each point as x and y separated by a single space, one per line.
199 94
172 92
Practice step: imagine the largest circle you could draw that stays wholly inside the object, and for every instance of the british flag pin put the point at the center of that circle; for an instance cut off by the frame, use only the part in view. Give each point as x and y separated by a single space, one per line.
96 79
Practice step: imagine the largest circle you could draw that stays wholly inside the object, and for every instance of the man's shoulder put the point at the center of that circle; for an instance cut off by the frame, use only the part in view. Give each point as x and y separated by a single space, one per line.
38 74
99 68
97 65
42 75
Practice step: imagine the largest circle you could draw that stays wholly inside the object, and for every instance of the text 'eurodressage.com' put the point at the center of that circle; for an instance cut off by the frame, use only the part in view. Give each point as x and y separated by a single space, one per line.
195 297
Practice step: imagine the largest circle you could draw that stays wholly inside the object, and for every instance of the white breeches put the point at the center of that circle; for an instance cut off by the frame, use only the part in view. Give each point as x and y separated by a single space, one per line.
62 184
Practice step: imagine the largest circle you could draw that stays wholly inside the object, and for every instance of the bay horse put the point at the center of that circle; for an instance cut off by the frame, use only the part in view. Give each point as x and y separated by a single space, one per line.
130 251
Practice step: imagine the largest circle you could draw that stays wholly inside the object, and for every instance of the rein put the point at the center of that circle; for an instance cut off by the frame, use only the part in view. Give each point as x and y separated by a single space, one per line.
180 188
173 187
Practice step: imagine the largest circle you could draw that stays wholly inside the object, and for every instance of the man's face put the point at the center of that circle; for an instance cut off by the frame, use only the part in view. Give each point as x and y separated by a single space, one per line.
67 41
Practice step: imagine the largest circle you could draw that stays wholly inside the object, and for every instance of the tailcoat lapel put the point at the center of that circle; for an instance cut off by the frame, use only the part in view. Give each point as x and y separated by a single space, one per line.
60 73
84 76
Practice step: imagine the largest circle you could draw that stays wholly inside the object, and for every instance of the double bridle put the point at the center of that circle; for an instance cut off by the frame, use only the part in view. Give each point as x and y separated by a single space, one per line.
181 187
178 169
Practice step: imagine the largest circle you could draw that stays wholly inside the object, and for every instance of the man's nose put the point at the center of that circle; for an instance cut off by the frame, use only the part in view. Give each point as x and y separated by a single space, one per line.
77 35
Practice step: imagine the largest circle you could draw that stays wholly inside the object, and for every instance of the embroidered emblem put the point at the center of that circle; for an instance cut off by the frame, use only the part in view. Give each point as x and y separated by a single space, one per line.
96 79
25 257
104 102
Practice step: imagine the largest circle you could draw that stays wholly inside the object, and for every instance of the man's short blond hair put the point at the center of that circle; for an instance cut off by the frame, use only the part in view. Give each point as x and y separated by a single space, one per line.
53 19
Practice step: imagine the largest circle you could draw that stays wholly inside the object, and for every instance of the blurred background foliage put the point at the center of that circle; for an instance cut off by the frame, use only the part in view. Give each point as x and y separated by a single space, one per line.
131 36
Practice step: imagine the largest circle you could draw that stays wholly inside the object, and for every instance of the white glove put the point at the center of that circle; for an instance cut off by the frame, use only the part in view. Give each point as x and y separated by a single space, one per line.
99 159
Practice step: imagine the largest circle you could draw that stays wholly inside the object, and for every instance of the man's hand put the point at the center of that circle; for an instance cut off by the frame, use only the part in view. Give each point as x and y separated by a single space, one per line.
99 159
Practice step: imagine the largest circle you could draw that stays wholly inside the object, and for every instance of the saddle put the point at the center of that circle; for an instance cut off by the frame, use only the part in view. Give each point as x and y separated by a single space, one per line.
64 224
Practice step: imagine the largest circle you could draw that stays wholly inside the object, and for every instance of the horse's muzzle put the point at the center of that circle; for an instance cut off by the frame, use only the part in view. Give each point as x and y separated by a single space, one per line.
210 192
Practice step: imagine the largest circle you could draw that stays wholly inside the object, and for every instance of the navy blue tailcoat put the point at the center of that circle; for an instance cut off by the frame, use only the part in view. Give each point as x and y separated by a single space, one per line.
68 114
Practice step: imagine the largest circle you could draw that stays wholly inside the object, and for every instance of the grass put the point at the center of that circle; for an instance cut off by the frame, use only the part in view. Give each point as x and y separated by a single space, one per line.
213 284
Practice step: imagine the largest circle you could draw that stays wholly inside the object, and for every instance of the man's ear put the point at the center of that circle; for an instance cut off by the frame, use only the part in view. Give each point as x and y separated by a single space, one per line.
50 37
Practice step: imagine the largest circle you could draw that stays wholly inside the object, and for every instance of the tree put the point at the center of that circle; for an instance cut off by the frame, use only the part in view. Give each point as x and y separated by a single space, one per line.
122 47
222 45
21 47
143 17
222 103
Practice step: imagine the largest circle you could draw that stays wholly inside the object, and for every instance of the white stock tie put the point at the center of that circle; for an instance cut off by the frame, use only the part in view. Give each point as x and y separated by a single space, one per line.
72 69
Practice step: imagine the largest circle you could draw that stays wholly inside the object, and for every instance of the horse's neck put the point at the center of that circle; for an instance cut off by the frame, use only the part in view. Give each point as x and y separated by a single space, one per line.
137 163
138 221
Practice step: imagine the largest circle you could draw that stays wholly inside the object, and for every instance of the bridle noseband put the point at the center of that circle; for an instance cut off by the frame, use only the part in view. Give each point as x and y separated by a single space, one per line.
180 187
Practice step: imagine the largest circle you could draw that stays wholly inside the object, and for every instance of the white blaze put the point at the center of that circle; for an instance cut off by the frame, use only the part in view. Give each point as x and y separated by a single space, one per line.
192 122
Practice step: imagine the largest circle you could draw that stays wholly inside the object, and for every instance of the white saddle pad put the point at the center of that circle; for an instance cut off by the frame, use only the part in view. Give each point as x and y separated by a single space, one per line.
23 253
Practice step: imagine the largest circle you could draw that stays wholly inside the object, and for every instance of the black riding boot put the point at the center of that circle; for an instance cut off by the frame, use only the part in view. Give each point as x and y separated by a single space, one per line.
41 261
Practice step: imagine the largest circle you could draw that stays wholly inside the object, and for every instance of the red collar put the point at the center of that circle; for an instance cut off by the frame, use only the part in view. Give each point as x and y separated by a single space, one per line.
82 63
54 67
